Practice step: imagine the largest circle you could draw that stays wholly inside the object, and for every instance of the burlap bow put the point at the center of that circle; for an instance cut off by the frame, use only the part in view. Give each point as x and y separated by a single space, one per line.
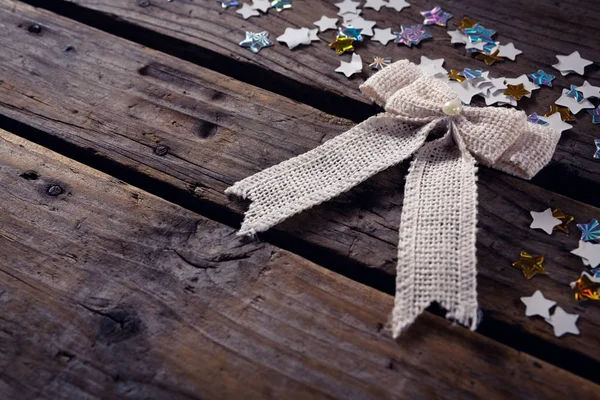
436 253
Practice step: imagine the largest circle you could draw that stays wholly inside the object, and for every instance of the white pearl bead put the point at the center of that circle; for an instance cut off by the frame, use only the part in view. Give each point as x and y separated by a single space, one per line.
452 107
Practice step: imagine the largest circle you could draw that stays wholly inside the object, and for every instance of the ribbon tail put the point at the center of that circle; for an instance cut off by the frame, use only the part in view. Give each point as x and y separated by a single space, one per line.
336 166
436 254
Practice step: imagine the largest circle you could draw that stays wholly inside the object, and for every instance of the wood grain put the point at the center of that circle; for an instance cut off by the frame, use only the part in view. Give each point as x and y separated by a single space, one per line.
122 102
110 292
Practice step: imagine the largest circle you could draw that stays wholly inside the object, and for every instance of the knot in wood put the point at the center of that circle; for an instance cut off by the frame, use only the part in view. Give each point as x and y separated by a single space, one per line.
55 190
161 150
34 28
143 3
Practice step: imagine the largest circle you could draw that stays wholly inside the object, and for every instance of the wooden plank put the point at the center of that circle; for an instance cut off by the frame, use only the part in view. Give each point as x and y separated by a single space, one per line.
541 30
122 102
108 291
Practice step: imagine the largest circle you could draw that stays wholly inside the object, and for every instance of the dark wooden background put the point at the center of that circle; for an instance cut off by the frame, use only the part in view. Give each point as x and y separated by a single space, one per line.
121 275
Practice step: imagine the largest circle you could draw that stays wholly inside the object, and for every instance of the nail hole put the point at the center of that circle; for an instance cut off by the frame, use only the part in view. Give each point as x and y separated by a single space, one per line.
30 175
55 190
161 150
34 28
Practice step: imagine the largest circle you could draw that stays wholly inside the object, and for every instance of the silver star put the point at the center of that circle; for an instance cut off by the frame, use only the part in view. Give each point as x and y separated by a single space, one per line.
571 102
588 251
347 6
397 5
563 322
375 4
247 11
347 17
458 37
312 35
555 122
544 221
588 90
365 25
537 304
432 67
465 90
326 23
572 63
352 67
294 37
383 36
262 5
508 51
256 41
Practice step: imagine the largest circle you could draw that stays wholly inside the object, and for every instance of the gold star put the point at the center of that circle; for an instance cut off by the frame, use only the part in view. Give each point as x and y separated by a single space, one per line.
454 75
489 59
564 219
466 23
565 113
586 287
530 265
516 91
342 44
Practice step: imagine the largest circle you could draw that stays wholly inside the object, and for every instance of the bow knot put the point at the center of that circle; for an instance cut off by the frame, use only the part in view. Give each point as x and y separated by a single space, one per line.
436 252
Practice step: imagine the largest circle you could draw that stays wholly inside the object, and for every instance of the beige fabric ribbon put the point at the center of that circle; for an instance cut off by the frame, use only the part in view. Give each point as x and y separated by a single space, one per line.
436 252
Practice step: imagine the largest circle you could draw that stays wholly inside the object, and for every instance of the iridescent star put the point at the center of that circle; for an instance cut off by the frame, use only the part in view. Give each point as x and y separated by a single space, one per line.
534 118
281 5
530 265
590 231
471 74
342 45
564 219
256 41
542 78
412 34
380 63
586 287
228 3
597 154
349 31
477 33
436 16
574 93
595 113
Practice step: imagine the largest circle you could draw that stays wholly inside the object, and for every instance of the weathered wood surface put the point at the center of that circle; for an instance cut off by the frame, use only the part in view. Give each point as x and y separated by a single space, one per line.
122 102
541 29
110 292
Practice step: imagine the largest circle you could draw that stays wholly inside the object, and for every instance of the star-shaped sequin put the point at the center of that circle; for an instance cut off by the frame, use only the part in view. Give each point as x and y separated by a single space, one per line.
436 16
537 304
342 45
590 231
555 122
256 41
572 63
228 3
471 74
466 23
516 91
563 322
383 36
281 5
564 219
455 75
411 35
535 118
595 113
587 287
565 113
597 153
530 265
542 78
544 220
380 63
574 93
349 31
489 59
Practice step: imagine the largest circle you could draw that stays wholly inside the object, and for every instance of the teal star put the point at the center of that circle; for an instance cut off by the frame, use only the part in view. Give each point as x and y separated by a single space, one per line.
542 78
597 143
595 115
256 41
280 5
228 3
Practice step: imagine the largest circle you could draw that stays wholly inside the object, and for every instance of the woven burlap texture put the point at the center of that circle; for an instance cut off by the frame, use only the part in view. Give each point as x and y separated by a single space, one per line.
436 252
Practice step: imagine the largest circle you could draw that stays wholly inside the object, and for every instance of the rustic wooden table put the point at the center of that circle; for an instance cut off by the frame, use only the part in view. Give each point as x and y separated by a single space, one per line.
121 275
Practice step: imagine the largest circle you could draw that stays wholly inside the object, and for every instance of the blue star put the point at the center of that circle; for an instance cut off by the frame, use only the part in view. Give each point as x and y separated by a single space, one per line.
471 74
256 41
597 143
411 34
590 231
350 32
595 113
280 5
228 3
577 95
480 34
542 78
534 118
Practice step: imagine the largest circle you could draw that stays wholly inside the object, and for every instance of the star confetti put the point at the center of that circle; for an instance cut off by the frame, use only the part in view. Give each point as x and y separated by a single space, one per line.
574 105
375 4
465 90
587 287
455 75
365 25
527 84
326 23
227 4
574 93
261 5
565 113
247 11
458 37
597 153
544 220
294 37
530 265
256 41
436 16
281 5
380 63
572 63
348 31
589 252
432 67
516 91
471 74
589 90
564 219
342 45
534 118
352 67
537 304
383 36
466 23
542 78
563 322
347 6
557 123
489 59
508 51
397 5
590 231
412 35
595 113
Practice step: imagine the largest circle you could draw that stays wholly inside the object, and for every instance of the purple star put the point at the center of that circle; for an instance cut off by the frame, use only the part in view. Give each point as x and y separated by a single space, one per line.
411 34
436 16
542 78
595 120
534 118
